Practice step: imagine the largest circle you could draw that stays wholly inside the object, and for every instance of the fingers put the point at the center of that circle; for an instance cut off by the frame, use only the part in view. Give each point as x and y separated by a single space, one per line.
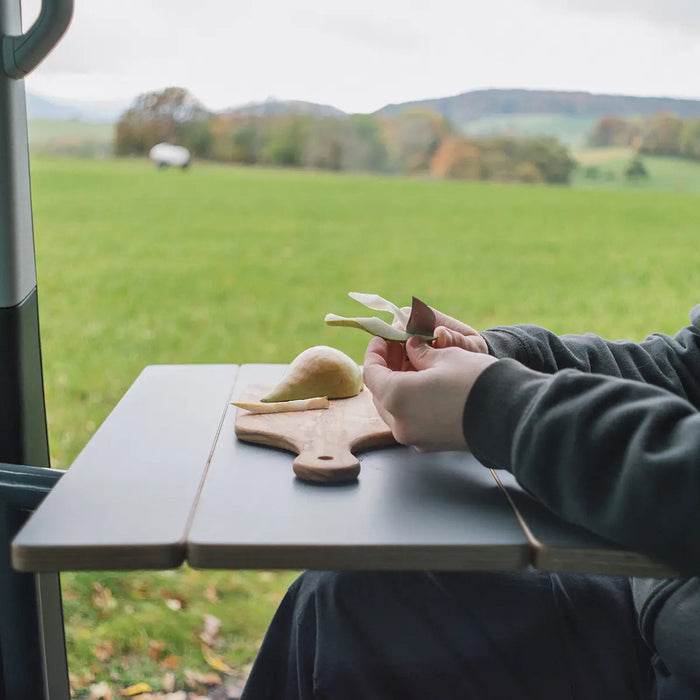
377 370
453 324
447 338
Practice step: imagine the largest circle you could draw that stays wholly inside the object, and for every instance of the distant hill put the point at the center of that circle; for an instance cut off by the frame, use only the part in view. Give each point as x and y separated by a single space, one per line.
272 108
468 106
90 112
568 116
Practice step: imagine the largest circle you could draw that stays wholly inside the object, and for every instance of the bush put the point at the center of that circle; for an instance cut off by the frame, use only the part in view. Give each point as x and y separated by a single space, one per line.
528 172
636 169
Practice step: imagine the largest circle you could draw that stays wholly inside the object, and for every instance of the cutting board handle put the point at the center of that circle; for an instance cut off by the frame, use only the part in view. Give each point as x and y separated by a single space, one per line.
326 464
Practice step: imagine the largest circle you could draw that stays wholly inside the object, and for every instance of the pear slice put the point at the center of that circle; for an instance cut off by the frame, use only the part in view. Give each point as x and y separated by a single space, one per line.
318 371
284 406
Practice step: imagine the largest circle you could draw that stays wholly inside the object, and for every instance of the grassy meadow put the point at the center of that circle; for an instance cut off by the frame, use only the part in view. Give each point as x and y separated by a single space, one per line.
663 173
232 265
61 137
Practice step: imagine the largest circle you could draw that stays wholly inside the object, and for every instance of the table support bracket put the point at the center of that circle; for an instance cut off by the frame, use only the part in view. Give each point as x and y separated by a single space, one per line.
32 643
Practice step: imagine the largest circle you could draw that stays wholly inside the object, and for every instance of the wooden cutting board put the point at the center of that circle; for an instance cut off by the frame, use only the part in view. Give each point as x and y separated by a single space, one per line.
324 440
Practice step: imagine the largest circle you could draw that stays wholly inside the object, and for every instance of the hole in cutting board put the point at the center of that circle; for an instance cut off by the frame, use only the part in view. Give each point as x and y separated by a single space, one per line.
325 457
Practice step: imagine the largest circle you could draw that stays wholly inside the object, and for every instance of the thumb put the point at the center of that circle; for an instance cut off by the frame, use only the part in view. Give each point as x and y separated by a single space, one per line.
420 354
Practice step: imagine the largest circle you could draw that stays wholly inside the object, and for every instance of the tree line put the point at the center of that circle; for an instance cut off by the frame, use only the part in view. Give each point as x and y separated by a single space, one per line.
662 134
415 142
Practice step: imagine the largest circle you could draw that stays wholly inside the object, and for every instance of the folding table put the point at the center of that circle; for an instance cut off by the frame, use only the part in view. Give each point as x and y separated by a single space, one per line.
165 480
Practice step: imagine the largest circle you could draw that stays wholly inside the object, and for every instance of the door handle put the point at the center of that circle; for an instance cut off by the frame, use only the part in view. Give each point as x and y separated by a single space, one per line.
21 54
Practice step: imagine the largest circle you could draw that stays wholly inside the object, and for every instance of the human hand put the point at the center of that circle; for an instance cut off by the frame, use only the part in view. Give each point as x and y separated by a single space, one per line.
449 332
422 405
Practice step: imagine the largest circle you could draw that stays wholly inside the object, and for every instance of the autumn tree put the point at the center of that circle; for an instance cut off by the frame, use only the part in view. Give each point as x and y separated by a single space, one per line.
236 138
284 140
172 115
662 134
551 158
457 158
327 140
690 139
367 151
346 143
412 139
613 131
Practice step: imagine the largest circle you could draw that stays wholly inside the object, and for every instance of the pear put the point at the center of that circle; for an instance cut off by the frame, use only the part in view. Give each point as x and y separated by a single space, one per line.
318 371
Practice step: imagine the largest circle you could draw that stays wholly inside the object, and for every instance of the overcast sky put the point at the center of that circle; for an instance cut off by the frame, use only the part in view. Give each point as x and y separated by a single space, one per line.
363 54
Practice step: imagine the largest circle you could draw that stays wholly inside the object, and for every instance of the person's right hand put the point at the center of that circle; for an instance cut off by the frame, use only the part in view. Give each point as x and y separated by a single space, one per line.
423 403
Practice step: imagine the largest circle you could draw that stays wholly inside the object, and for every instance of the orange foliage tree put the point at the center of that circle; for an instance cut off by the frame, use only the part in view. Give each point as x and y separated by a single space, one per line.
456 158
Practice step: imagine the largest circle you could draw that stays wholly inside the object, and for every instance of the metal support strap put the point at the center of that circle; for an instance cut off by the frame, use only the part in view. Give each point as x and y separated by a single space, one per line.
32 644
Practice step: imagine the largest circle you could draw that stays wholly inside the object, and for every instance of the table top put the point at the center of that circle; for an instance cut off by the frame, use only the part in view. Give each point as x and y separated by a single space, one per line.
128 499
165 480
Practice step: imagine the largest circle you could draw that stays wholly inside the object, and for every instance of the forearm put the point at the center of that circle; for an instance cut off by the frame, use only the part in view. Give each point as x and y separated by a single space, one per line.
616 456
667 362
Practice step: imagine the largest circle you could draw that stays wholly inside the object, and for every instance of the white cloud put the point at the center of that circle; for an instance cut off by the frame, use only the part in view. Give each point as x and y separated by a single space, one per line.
361 55
680 15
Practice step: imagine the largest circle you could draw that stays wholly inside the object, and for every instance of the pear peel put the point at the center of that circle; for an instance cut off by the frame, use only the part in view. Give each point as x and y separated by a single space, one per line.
377 303
372 324
420 322
318 371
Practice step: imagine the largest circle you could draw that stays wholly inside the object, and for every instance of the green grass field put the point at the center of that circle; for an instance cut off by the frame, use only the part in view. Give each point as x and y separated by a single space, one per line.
221 264
571 129
61 137
663 173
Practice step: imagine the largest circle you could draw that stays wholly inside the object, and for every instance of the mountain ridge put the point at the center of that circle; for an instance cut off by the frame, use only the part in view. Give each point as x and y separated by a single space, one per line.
461 108
478 103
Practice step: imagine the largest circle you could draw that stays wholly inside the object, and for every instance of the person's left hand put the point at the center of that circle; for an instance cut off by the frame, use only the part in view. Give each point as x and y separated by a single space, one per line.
423 406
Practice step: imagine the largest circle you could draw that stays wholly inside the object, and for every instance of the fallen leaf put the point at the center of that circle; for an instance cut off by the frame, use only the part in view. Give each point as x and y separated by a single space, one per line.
155 649
169 682
104 650
171 662
191 678
140 590
80 682
136 689
103 599
216 662
211 594
172 600
101 691
195 679
210 634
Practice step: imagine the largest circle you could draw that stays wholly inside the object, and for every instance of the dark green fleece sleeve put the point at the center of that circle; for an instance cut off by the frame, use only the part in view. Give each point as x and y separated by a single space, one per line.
617 456
607 435
672 363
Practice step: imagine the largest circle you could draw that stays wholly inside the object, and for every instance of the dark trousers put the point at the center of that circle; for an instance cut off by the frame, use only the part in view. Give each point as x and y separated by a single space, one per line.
488 636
